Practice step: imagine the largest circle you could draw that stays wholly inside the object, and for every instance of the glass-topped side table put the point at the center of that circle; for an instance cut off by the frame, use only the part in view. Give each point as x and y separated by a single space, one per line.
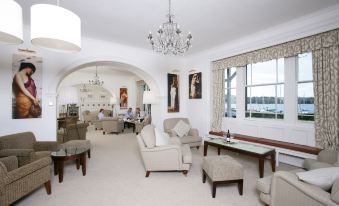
62 155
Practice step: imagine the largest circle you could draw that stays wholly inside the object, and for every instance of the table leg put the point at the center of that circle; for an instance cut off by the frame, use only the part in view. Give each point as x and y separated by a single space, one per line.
218 150
55 167
205 148
61 170
78 163
83 164
261 167
273 161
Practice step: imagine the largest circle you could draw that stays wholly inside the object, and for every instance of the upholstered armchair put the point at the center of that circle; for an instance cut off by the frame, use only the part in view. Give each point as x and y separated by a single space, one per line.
112 124
140 125
25 147
326 158
73 132
192 138
172 157
89 116
16 182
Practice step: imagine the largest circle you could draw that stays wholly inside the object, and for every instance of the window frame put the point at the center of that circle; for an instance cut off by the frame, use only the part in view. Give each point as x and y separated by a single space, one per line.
226 88
275 84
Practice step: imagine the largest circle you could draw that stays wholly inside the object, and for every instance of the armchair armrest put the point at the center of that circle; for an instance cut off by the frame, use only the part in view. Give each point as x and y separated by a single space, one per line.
10 162
286 189
29 168
328 156
193 132
45 146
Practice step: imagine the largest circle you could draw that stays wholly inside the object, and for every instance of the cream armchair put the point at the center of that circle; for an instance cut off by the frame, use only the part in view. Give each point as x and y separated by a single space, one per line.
192 139
172 157
112 124
326 158
140 125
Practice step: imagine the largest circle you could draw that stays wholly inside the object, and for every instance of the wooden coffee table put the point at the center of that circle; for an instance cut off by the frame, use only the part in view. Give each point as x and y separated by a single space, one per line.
59 157
252 150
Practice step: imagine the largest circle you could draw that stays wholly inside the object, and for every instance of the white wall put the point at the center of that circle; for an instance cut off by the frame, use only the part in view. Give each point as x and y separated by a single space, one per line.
149 66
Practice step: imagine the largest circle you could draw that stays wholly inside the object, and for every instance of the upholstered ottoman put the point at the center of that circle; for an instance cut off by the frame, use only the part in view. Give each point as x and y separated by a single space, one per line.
86 144
221 170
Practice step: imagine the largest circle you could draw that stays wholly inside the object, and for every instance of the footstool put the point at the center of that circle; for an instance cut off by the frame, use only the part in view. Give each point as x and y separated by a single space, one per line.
86 144
221 170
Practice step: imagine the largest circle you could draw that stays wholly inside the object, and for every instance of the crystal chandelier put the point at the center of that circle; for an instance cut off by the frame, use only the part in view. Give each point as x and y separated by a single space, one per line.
169 38
96 81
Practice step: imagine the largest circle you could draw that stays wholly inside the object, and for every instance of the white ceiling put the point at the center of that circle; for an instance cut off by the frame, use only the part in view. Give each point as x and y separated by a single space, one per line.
212 22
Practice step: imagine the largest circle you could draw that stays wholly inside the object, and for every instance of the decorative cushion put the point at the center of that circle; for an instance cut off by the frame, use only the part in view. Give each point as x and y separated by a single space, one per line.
181 128
335 191
148 136
161 138
323 177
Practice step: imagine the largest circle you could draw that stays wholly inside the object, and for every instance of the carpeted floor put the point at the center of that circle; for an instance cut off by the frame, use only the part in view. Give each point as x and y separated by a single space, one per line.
116 176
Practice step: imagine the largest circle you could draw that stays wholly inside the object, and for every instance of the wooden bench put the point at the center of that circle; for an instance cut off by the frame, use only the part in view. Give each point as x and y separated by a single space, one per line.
288 148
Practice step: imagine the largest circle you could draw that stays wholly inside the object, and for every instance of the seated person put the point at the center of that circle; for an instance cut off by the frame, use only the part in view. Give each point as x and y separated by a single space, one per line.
138 114
101 114
129 114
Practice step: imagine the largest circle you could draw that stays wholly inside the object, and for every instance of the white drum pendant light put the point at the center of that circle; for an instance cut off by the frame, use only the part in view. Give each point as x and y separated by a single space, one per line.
10 22
55 28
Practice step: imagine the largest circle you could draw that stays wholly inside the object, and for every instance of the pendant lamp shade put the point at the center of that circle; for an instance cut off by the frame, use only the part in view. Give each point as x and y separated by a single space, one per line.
10 22
55 28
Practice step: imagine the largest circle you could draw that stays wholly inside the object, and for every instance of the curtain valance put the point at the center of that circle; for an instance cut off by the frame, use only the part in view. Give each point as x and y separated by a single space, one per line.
288 49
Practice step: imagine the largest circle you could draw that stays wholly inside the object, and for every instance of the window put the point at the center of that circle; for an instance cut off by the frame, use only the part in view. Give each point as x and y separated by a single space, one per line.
230 92
265 90
305 87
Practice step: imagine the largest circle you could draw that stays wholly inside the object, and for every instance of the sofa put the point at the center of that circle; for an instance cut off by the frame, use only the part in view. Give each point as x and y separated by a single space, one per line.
16 182
171 157
192 138
112 124
284 188
25 147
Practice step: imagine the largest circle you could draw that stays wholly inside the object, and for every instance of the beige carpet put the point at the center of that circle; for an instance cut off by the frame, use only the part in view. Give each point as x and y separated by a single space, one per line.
116 176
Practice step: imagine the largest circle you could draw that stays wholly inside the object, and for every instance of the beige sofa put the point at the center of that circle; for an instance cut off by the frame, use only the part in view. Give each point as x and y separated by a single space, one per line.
25 147
192 139
90 116
112 124
172 157
72 132
16 182
284 188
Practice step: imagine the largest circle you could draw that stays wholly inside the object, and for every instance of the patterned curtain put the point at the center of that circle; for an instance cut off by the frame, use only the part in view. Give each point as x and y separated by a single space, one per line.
326 95
218 99
140 87
324 47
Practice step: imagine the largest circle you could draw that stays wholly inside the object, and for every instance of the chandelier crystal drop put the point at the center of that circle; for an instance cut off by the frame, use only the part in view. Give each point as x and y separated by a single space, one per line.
96 81
169 39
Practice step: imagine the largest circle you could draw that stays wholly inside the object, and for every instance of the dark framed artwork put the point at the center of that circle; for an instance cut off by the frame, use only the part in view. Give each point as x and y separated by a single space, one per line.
123 98
26 99
173 94
194 85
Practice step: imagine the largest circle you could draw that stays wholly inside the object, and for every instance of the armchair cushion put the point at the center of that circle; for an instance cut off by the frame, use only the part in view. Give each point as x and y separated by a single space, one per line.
323 177
161 138
335 191
148 136
10 162
181 128
24 156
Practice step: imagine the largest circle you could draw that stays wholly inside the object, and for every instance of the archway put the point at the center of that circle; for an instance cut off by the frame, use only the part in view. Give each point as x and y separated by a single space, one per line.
149 80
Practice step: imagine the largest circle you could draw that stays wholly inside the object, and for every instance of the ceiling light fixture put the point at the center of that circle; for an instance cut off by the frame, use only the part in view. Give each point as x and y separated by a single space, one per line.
55 28
96 81
10 22
169 38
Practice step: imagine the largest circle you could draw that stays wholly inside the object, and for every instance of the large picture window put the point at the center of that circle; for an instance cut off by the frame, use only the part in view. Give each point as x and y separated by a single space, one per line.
265 90
305 87
230 92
